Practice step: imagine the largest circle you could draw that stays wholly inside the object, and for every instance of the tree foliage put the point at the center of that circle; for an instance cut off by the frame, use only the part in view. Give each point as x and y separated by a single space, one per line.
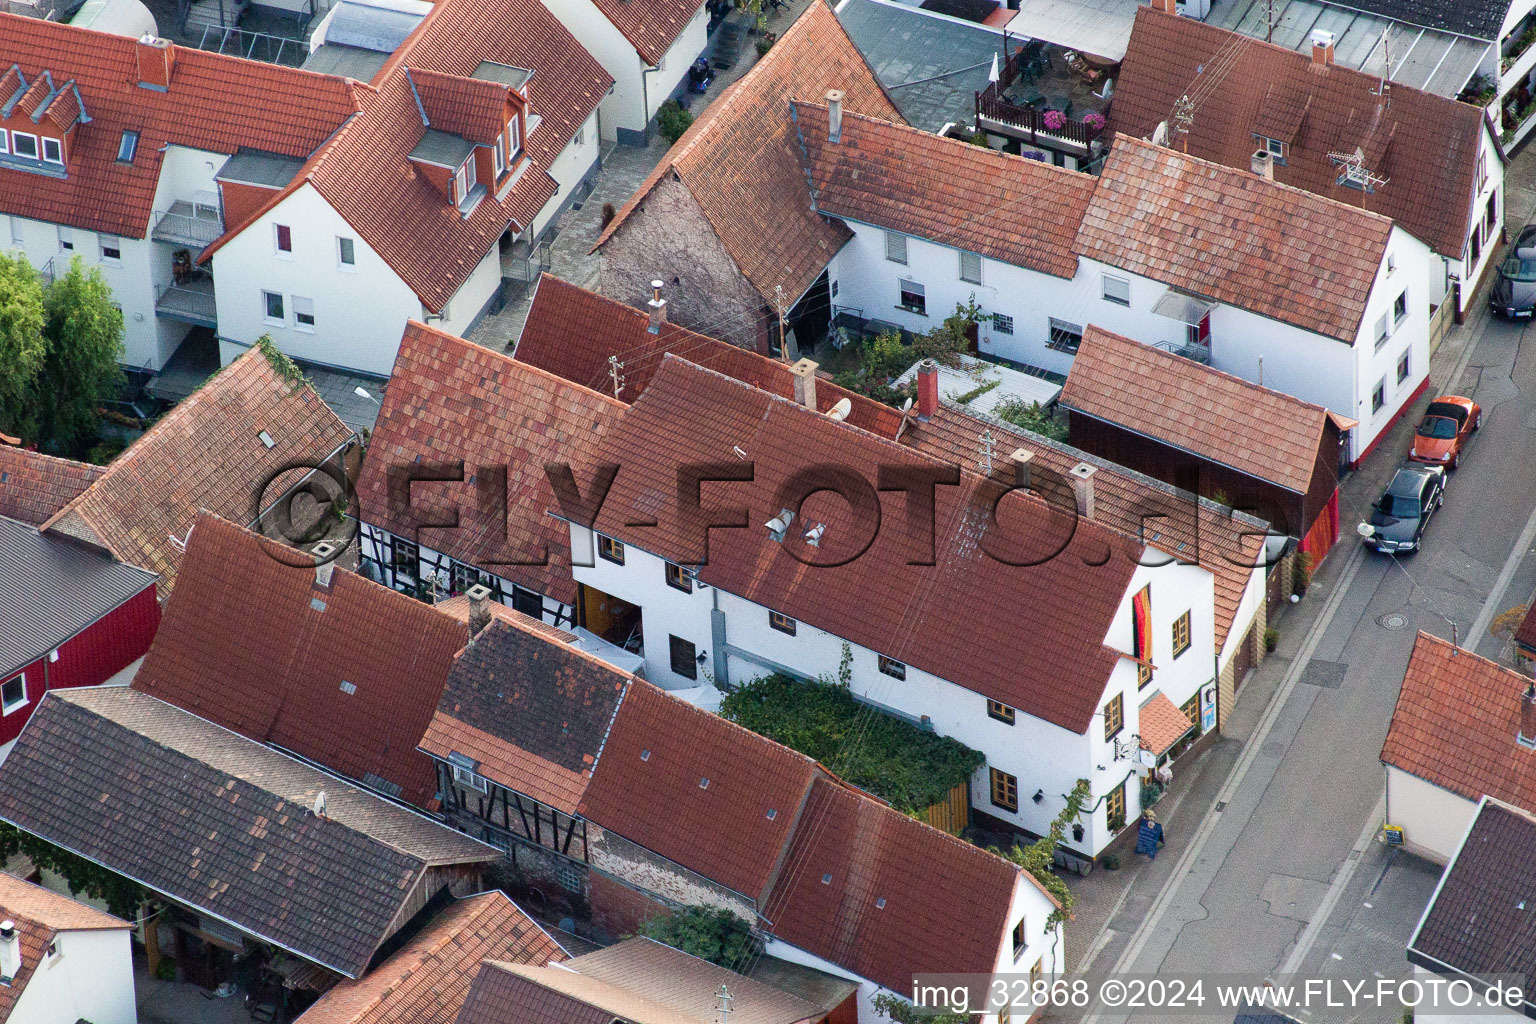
672 121
22 349
885 356
1031 417
708 933
122 896
889 756
1039 857
903 1012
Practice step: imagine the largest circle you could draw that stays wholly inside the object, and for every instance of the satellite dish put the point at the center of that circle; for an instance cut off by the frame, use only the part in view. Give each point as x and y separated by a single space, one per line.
841 410
319 807
906 406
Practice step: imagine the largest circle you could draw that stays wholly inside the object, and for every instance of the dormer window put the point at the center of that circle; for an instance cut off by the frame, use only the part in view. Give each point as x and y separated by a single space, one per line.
1274 147
463 181
24 145
53 151
514 140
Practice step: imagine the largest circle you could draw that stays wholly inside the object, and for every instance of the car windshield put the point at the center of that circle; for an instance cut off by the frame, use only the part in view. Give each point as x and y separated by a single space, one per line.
1437 427
1399 506
1519 270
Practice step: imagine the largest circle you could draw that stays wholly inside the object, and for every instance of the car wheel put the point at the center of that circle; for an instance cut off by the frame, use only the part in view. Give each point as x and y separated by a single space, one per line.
1456 460
1477 422
1440 499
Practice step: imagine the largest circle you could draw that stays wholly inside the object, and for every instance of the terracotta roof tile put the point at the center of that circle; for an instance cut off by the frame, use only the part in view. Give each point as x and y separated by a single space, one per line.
970 197
1232 236
450 400
1162 723
459 608
651 26
468 107
34 486
572 332
53 910
1281 94
428 978
216 103
741 161
351 685
1455 725
203 455
1250 428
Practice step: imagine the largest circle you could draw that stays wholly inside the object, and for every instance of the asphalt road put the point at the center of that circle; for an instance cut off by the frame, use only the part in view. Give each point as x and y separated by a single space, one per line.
1283 873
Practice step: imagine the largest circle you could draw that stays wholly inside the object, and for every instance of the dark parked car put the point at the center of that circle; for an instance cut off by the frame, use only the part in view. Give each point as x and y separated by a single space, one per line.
1514 291
1398 518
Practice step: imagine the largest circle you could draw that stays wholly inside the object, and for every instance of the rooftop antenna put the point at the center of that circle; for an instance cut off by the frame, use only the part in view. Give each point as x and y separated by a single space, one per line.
1261 371
1269 21
1183 119
986 452
1357 173
725 1003
614 366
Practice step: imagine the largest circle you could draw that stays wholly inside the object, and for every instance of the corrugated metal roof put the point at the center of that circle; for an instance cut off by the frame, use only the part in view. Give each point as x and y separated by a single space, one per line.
52 587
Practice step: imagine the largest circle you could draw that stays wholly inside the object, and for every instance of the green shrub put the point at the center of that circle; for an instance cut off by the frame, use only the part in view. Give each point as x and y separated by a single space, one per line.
672 121
167 969
1271 638
1110 861
1031 417
708 933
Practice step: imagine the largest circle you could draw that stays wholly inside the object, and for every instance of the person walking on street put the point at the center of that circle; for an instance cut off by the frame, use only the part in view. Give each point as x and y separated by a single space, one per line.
1150 835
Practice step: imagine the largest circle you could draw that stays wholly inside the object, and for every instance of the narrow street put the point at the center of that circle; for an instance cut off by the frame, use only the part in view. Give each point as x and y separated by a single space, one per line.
1271 865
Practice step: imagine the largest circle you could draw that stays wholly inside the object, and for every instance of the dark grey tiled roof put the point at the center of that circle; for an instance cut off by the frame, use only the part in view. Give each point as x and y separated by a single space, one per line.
52 587
1481 19
222 823
1483 916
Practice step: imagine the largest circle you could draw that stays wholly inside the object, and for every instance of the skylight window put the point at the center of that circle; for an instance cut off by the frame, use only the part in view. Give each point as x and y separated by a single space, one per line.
127 146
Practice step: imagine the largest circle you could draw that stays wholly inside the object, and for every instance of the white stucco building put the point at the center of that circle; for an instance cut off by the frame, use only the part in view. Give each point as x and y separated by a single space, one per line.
61 960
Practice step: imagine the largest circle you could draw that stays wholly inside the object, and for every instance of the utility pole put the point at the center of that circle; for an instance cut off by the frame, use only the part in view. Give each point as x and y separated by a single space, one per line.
778 302
614 366
725 1004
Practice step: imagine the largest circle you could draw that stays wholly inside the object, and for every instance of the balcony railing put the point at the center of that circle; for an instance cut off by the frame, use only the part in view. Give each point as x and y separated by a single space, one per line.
1199 353
991 105
190 303
195 222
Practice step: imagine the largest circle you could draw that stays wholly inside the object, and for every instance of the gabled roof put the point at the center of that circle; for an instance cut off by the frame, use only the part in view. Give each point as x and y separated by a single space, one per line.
1232 236
501 990
1278 93
222 823
428 978
34 486
39 915
52 588
1022 212
551 701
451 400
346 676
1162 723
699 790
1250 428
883 867
572 332
651 26
215 102
740 161
468 107
205 454
1455 725
922 615
1478 923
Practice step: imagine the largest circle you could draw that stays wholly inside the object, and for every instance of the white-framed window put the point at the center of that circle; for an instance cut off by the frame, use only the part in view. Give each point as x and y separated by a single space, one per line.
1383 329
1379 395
111 248
1391 262
1400 307
66 240
346 253
896 247
1405 364
514 140
1116 290
272 309
13 693
464 180
53 151
23 144
282 240
470 780
498 158
912 297
5 141
303 314
1274 147
16 237
970 267
1482 169
581 133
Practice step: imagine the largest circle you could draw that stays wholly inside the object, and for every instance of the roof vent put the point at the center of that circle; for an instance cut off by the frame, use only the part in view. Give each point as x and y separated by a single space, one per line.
156 57
325 554
841 410
658 308
834 115
778 526
804 373
814 534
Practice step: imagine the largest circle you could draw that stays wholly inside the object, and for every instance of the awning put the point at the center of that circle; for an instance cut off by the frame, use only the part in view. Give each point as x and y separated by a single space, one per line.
1162 724
1183 307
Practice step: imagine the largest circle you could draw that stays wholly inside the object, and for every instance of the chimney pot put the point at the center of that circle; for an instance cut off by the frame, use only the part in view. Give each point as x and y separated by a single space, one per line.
1167 6
805 382
1022 458
479 609
325 564
1263 164
10 951
658 308
927 389
1322 47
1082 486
156 56
1527 735
834 115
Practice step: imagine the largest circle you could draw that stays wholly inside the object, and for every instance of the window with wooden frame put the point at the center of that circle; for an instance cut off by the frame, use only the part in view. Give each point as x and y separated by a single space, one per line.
1143 675
1181 634
679 579
684 656
1005 790
1114 716
892 667
1114 808
1003 1016
782 623
1018 938
1000 711
610 550
1035 972
405 557
1191 709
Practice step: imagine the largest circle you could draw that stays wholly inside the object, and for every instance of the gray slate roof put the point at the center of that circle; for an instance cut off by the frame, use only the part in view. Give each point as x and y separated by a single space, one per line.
1480 19
256 167
222 823
52 587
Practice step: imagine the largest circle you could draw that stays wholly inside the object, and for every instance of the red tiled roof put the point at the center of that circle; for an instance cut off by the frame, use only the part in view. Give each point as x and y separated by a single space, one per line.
1455 725
243 645
1253 429
1022 212
451 400
572 332
34 486
922 615
741 161
203 454
1162 723
1234 237
1432 142
651 26
428 978
945 902
650 787
468 107
216 103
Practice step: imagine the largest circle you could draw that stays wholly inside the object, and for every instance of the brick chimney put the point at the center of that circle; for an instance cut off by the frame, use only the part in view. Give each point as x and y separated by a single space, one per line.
1167 6
1021 458
479 608
658 308
805 382
1082 486
1262 163
1322 47
834 115
1527 735
325 562
156 57
927 389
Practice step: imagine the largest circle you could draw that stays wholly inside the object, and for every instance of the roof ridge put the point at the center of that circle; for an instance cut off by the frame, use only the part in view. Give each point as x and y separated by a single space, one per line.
521 367
1430 639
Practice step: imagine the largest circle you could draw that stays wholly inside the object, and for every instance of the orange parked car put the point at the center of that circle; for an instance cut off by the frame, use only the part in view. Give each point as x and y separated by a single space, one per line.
1443 433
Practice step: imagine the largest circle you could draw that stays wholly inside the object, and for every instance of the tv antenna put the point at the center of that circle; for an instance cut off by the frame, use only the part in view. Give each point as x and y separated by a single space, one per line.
614 368
1356 173
985 462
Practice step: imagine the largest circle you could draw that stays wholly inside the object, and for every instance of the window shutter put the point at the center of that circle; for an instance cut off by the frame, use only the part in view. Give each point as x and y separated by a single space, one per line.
895 247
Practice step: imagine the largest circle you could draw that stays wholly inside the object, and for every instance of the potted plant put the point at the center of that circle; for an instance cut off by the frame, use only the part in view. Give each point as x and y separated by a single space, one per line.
1054 120
1094 121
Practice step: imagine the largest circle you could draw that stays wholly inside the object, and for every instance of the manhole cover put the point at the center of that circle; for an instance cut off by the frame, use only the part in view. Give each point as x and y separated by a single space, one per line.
1393 621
